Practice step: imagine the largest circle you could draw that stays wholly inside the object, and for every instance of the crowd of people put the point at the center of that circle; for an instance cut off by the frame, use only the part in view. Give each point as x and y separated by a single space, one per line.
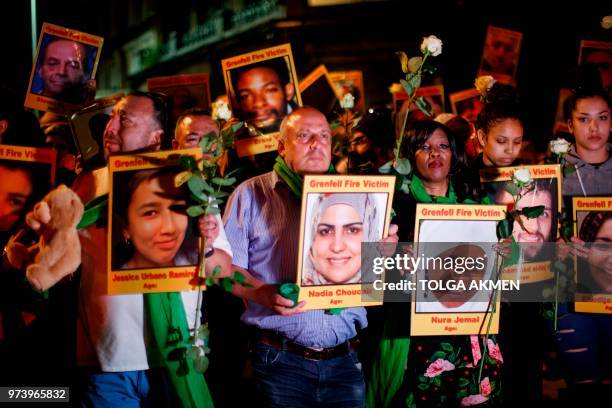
104 347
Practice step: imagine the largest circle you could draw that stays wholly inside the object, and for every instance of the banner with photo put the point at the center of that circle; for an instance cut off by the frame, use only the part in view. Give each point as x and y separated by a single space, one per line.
466 104
339 214
457 265
534 234
500 55
152 242
66 60
593 226
262 88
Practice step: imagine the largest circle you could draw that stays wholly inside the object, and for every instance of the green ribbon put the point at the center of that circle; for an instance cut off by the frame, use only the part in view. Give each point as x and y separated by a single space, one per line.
93 210
168 346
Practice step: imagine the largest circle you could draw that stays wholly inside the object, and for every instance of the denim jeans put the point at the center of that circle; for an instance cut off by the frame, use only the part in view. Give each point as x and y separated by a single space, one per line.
285 379
145 388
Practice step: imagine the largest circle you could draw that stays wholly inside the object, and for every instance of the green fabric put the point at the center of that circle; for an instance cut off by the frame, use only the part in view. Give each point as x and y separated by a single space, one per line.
168 345
389 366
418 192
93 211
293 180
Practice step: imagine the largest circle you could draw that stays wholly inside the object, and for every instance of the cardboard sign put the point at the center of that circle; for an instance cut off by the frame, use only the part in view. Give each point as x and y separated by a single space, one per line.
467 104
262 88
500 55
65 61
339 213
536 256
152 245
184 92
446 300
593 224
350 82
318 91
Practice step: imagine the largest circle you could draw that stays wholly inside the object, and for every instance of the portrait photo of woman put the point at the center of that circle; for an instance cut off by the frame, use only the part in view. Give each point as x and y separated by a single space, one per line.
150 225
595 269
336 226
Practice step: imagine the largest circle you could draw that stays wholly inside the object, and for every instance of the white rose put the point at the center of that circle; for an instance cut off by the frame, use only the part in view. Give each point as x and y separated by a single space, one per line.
521 176
606 22
484 84
432 44
559 146
347 101
220 111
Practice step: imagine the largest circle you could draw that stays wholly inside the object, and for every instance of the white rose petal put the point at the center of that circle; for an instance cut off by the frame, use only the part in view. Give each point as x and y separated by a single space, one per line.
522 176
606 22
484 84
347 101
220 111
559 146
432 44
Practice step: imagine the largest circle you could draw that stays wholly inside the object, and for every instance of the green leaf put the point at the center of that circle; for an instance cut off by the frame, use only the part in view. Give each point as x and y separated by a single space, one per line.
568 169
188 163
237 126
463 382
438 354
407 87
224 181
227 284
504 228
414 80
335 125
195 211
532 212
423 105
386 168
402 166
446 346
422 378
210 281
514 254
512 188
216 271
239 277
437 382
423 387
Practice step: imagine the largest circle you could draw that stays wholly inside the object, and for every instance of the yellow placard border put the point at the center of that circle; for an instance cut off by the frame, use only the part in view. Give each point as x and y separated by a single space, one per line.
45 103
348 295
157 280
454 324
588 302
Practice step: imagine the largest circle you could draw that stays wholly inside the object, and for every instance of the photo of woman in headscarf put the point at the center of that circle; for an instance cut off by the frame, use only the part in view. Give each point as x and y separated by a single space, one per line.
335 230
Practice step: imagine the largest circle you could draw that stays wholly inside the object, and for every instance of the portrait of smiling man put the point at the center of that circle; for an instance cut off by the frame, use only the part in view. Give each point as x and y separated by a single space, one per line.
62 69
264 94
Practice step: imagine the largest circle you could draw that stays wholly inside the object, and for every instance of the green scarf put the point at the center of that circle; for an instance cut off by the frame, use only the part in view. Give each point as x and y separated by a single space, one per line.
418 192
294 181
168 345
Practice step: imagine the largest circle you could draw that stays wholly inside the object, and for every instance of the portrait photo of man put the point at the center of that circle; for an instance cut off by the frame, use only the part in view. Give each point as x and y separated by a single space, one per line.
500 54
63 68
264 92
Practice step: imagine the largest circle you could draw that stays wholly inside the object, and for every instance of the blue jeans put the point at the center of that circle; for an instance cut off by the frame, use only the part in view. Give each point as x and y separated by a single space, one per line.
285 379
133 389
584 342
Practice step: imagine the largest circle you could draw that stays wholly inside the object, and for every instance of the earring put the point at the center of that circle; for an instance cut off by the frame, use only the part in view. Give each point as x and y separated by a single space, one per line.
128 243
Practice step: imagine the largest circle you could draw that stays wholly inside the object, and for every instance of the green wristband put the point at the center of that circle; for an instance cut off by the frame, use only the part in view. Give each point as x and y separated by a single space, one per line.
289 291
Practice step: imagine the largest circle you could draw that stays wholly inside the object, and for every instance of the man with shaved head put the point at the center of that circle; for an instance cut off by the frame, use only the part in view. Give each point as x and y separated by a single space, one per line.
300 358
